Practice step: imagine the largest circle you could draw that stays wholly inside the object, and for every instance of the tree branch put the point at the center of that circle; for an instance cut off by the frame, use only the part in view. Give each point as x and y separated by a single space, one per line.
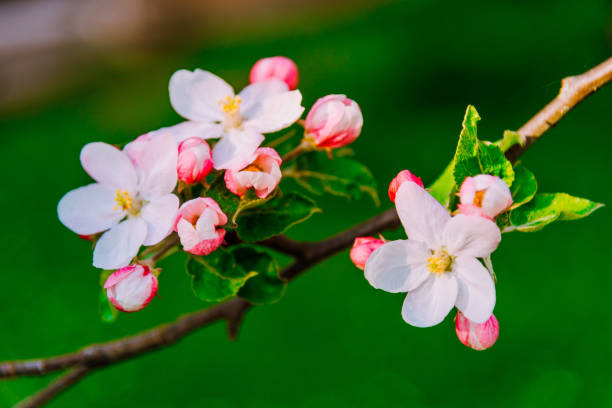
573 91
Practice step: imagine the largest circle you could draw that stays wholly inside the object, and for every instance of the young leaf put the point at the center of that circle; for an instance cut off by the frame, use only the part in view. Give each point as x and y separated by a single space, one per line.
339 176
216 277
509 139
474 157
547 208
524 187
444 187
232 204
266 286
276 217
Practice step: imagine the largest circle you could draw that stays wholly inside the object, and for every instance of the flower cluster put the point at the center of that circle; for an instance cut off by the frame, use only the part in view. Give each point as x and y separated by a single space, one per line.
438 265
153 191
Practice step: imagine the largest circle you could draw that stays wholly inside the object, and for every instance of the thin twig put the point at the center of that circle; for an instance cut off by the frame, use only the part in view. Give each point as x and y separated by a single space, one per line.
55 387
573 91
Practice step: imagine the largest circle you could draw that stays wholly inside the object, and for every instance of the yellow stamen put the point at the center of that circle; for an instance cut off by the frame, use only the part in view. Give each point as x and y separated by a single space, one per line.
231 108
440 262
252 167
479 198
123 199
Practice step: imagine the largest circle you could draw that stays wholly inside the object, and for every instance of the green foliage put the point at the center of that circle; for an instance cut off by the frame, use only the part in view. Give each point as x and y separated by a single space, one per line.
509 139
340 176
276 217
474 157
216 277
547 208
266 286
524 187
107 311
444 187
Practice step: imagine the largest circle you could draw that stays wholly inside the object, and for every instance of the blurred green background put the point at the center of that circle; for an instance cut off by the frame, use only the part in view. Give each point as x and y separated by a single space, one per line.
333 341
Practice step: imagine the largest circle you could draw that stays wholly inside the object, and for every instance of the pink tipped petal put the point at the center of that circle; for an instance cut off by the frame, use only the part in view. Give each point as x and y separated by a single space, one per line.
429 304
334 121
402 177
478 336
156 167
119 245
263 174
235 150
130 289
362 248
276 113
397 266
476 298
471 209
472 236
254 95
159 215
232 184
490 193
89 209
422 216
197 224
108 165
208 246
194 160
275 67
196 95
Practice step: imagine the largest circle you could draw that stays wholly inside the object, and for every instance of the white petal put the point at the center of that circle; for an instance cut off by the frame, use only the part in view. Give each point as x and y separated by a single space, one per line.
236 149
108 165
120 244
156 167
160 215
429 304
89 209
397 266
196 95
476 298
422 216
253 95
190 128
471 235
275 113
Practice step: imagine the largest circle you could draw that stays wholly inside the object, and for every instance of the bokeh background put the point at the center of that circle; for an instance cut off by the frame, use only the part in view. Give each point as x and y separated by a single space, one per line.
73 72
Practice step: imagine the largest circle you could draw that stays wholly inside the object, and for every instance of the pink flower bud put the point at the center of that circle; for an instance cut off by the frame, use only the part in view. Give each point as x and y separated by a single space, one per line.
333 121
194 160
401 177
131 288
197 224
479 336
484 195
275 67
263 174
363 248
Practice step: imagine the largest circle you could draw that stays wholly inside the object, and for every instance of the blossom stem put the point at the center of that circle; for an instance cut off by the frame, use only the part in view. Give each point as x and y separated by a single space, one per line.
299 150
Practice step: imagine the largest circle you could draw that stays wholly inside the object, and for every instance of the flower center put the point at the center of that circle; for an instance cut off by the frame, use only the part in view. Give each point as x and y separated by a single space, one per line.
124 201
231 108
479 197
440 262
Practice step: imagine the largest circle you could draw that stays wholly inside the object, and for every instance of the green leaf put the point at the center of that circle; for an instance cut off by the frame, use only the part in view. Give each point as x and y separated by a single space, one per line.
274 218
509 139
474 157
216 277
340 176
524 187
443 189
107 311
547 208
266 286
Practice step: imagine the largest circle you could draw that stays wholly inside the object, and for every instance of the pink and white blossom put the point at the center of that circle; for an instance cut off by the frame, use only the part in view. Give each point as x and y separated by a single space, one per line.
131 201
333 121
402 177
131 288
239 120
484 195
438 264
263 174
194 160
362 248
478 336
275 67
197 225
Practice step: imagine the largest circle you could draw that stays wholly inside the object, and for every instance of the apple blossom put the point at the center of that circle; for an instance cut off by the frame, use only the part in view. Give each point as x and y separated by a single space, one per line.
131 200
131 288
479 336
438 264
275 67
194 161
333 121
239 120
401 177
363 248
484 195
197 224
263 174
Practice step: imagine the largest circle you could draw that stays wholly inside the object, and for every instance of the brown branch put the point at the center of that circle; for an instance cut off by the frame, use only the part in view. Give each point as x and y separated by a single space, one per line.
574 90
55 387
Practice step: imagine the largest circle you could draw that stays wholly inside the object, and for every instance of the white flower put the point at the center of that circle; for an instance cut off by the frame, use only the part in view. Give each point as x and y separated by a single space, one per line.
437 265
240 120
131 200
